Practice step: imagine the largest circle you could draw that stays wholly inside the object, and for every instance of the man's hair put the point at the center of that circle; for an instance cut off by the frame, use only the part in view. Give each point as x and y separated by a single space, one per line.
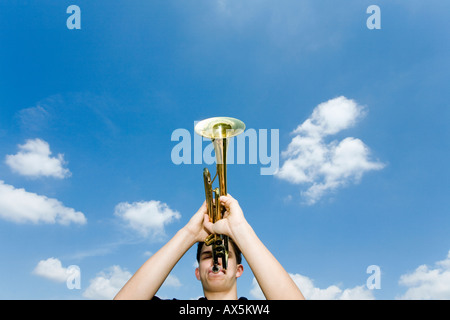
237 252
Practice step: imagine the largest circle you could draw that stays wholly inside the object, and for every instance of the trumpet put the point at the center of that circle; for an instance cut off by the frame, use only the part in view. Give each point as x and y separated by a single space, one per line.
219 130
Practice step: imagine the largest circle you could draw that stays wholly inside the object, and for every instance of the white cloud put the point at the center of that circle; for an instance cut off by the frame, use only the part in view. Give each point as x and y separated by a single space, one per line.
311 292
52 269
107 283
21 206
34 160
428 282
172 281
148 218
310 160
331 117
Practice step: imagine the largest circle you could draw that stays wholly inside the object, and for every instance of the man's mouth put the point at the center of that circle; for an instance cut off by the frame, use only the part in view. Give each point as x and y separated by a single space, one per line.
220 271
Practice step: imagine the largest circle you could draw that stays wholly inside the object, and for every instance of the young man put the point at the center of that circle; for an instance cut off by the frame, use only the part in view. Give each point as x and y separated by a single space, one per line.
219 285
274 281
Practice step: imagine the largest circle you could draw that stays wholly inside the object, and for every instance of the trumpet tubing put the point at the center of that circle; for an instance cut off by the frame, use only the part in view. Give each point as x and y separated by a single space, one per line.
219 130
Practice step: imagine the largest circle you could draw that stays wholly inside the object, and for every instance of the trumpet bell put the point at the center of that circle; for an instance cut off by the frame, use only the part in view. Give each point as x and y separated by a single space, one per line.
219 127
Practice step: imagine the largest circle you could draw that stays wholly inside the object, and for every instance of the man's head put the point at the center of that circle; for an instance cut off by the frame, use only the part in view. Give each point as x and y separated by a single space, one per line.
231 244
224 280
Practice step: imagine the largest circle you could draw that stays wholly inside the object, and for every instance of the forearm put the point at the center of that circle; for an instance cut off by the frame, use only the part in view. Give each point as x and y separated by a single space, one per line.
144 284
274 281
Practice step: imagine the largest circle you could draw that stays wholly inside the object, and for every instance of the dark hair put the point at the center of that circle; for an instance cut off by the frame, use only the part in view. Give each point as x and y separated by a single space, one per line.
237 252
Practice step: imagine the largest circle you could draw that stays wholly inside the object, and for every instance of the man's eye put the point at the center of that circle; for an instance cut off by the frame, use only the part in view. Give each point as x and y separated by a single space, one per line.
206 256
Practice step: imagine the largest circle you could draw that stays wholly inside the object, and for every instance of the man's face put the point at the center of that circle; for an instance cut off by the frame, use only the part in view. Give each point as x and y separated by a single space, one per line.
222 280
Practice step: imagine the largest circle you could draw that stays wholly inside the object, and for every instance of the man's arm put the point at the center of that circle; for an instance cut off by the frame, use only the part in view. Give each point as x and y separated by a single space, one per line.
274 281
144 284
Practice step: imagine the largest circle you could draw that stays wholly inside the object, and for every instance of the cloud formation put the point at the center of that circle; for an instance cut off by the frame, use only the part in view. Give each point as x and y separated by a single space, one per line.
21 206
148 218
322 165
34 160
311 292
107 283
427 282
52 269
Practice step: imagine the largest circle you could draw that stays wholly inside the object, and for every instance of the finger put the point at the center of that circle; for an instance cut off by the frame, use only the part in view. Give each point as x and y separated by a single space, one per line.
224 200
228 201
228 195
207 224
220 227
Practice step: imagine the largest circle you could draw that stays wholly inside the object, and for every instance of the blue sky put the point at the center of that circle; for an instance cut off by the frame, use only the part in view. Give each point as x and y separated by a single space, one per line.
87 116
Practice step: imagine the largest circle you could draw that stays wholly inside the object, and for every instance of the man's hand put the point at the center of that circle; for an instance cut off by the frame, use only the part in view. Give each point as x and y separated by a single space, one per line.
233 218
195 224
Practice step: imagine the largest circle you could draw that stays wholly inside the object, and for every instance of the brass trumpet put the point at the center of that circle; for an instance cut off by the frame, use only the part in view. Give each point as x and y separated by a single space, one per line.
219 130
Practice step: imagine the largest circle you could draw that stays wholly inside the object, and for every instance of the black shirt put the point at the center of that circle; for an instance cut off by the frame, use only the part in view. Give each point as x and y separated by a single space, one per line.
201 298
